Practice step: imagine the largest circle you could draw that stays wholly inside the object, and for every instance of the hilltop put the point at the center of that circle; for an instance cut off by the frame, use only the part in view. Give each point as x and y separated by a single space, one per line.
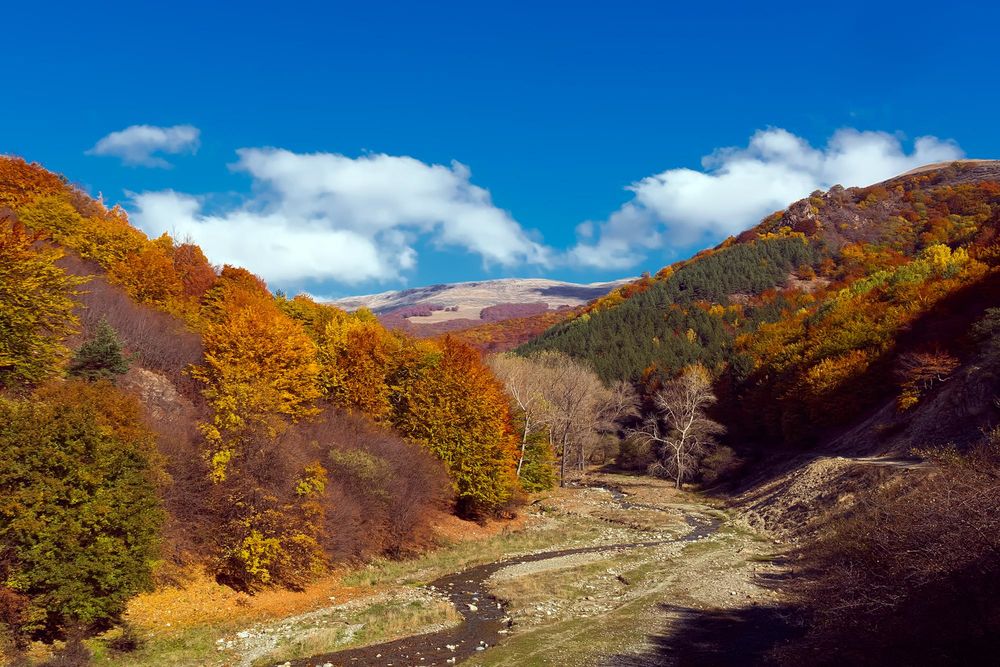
491 315
469 298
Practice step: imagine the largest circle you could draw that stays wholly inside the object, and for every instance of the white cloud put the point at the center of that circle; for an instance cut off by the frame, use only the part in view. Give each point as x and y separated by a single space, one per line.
739 186
138 144
325 216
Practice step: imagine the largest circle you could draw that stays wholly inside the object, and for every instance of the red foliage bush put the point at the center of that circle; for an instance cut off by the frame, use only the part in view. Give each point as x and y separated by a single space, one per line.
419 310
382 489
506 311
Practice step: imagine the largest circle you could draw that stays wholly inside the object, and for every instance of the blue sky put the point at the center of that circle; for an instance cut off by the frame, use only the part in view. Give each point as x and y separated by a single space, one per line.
351 115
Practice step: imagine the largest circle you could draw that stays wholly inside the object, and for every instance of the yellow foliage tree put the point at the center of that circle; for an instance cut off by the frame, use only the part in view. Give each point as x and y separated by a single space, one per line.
106 238
259 367
452 404
36 307
357 357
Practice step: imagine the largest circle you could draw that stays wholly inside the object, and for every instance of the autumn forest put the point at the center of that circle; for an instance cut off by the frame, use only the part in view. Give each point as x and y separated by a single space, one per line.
160 415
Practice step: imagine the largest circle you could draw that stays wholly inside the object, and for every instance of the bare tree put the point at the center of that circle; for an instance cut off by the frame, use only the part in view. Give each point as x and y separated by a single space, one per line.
524 380
621 402
618 404
574 396
553 392
679 429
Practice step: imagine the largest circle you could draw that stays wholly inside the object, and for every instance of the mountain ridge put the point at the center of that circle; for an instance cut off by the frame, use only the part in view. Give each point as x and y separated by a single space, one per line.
482 294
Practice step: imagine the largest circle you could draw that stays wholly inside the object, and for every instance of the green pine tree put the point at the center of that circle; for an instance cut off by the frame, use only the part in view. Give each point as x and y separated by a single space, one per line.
101 357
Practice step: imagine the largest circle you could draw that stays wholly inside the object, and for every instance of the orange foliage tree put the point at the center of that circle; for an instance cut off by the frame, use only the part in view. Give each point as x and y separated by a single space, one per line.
437 393
148 275
452 404
196 274
813 367
259 369
22 182
357 358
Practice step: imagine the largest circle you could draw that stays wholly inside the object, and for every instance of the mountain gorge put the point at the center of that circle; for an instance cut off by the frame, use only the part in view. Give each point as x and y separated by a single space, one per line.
852 339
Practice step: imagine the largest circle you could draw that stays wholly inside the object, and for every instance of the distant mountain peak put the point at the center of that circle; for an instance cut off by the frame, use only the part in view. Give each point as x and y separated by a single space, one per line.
472 296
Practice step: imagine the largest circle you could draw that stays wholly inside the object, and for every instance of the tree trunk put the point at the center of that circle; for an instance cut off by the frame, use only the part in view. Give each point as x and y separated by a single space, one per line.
680 470
562 463
524 445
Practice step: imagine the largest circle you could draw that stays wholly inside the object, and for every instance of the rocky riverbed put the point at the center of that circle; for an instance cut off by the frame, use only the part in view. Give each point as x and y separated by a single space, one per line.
653 546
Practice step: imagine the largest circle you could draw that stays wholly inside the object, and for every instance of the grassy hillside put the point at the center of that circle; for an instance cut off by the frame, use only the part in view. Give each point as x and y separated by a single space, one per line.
507 334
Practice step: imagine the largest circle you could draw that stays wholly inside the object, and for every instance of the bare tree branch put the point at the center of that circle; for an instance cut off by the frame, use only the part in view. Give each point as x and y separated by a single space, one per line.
680 430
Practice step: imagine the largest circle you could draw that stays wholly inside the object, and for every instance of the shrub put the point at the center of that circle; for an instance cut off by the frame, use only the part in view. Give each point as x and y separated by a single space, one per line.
159 341
721 464
538 472
912 576
334 488
382 490
635 454
267 542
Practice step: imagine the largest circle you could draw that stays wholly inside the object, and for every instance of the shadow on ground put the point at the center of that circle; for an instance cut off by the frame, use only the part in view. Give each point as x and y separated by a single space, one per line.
719 638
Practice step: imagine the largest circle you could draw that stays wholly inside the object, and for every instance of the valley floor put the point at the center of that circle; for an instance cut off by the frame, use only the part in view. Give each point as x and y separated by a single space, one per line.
681 568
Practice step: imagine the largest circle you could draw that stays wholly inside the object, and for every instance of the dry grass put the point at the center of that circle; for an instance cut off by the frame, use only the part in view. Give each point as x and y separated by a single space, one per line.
568 531
450 529
200 622
584 614
565 579
202 601
182 625
912 574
